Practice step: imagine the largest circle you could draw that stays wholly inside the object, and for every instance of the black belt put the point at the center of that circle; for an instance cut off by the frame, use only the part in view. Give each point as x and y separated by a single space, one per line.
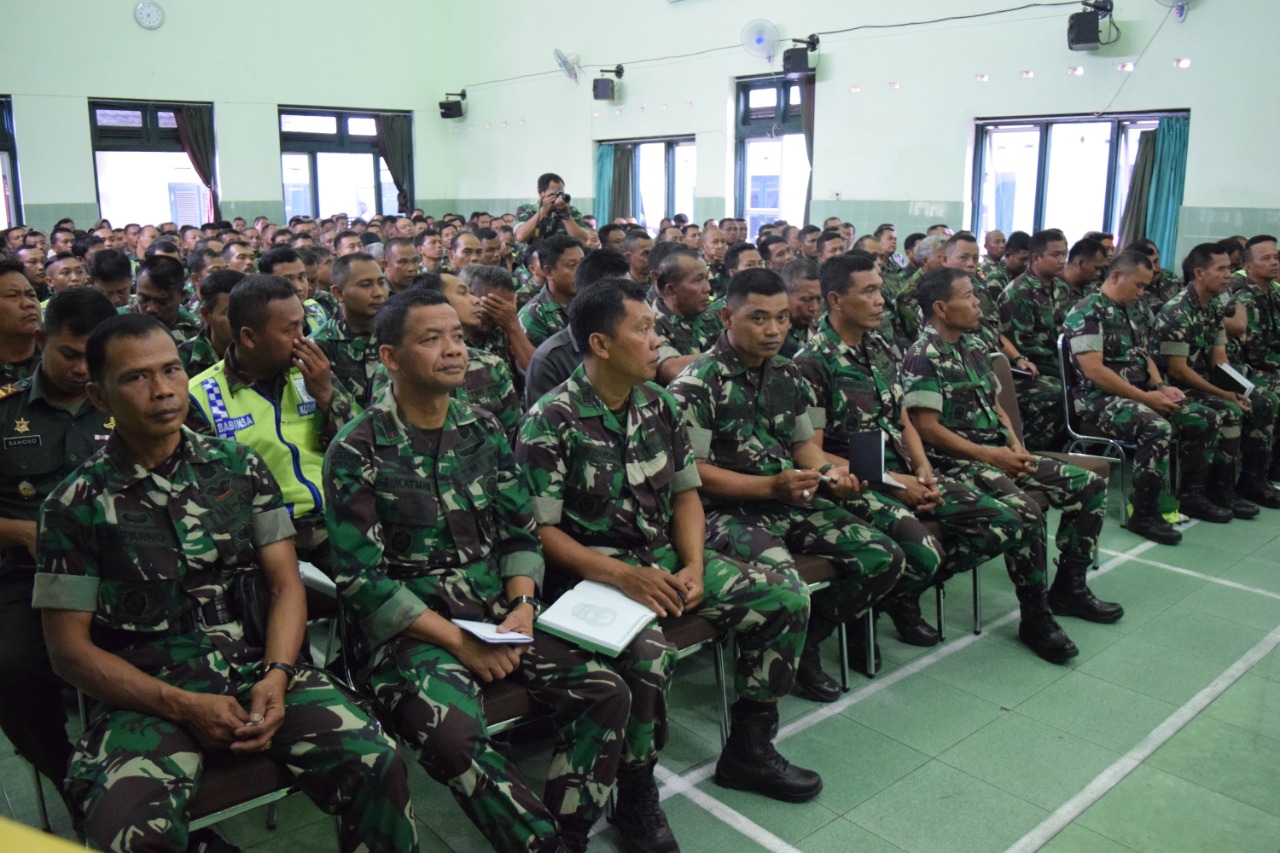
205 616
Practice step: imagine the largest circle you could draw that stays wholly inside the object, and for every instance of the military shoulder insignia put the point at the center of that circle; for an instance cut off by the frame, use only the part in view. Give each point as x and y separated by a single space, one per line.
11 388
111 423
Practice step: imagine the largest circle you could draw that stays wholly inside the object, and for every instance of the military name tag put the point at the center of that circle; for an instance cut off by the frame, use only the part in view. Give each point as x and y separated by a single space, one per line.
15 441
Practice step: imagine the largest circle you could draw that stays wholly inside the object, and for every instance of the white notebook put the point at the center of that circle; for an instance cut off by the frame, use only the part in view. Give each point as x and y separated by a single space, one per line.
596 616
488 632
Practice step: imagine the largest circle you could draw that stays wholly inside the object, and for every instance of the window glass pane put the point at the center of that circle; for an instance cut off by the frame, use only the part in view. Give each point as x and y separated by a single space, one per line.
652 157
150 186
1009 180
686 174
8 211
166 119
118 118
793 96
777 174
389 191
1128 155
762 99
345 183
1076 193
296 169
360 126
308 124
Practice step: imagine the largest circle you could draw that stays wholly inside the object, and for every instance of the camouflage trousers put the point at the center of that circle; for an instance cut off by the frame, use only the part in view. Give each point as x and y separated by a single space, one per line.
767 611
1195 425
434 705
1269 381
975 528
1255 428
1080 494
133 774
868 562
1040 402
32 715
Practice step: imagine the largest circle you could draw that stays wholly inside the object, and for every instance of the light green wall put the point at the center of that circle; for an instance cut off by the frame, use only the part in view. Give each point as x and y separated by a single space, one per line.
882 153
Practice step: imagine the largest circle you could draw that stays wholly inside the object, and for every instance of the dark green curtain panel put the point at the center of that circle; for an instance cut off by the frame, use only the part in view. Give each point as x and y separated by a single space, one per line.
622 195
395 144
1133 223
195 130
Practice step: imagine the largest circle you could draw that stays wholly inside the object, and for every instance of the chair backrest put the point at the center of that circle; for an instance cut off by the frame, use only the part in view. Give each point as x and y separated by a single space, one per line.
1008 393
1067 370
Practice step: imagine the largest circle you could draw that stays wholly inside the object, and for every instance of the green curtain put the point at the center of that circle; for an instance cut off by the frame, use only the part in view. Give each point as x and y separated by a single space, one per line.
1167 179
195 131
623 183
604 182
1133 223
395 144
808 86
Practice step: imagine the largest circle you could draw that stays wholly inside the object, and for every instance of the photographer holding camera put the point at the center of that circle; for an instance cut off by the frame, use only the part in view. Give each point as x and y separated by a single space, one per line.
551 215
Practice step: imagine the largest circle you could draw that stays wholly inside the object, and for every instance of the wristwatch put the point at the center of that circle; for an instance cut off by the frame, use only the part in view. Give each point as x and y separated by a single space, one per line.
533 602
288 669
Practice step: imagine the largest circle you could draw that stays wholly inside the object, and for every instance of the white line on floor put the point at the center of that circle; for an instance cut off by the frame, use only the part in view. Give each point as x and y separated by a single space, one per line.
684 784
1210 578
1126 764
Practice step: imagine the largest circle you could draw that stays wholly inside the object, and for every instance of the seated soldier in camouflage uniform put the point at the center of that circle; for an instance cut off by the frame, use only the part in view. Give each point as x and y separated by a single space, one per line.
1013 263
497 328
546 313
804 300
430 521
1119 391
1256 292
347 340
1191 333
746 409
994 242
615 495
145 554
1165 284
1031 311
853 375
159 286
929 254
206 349
951 397
684 320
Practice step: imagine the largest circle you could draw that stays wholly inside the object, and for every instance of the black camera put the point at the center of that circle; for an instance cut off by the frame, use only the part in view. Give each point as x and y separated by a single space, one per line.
562 194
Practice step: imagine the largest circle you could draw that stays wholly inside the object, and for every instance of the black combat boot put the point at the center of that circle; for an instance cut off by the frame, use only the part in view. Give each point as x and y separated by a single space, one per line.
1255 487
1039 630
1222 491
639 816
1192 500
1147 521
904 610
749 761
1070 596
811 681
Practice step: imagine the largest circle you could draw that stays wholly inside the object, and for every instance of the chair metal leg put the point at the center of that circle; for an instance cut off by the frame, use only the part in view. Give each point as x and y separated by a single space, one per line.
871 643
40 803
977 600
271 816
939 595
722 687
842 643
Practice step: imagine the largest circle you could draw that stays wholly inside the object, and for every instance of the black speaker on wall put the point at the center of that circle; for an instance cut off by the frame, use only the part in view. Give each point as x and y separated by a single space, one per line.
604 89
1084 31
795 60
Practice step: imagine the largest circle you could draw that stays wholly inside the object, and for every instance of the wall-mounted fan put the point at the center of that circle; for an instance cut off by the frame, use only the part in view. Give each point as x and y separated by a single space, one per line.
759 37
568 64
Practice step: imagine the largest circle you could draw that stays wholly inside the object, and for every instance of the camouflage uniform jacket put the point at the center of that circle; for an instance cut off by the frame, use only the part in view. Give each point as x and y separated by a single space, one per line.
526 285
797 338
957 381
1031 315
607 479
1260 349
855 389
679 335
1187 328
186 327
197 353
998 278
145 550
1163 287
1099 324
548 225
41 442
403 503
16 371
542 317
719 280
743 419
353 358
487 386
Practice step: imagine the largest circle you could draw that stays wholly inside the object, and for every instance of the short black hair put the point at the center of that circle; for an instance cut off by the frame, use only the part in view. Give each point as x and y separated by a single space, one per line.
546 179
120 326
606 230
635 235
342 235
910 243
1129 260
198 260
936 286
164 272
960 237
758 281
732 254
660 251
249 300
799 269
881 228
110 265
597 266
1018 241
277 256
1200 257
1040 240
550 249
668 268
82 244
341 270
828 236
76 311
427 281
601 307
168 247
388 325
1086 247
1247 256
765 246
8 265
835 272
483 234
488 276
217 283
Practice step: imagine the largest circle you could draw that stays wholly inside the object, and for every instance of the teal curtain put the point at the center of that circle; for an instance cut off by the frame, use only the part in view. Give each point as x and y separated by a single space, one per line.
1167 179
604 183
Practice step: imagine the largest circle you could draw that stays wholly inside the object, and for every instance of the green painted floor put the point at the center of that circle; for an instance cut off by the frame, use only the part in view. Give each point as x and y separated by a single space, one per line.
1163 735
